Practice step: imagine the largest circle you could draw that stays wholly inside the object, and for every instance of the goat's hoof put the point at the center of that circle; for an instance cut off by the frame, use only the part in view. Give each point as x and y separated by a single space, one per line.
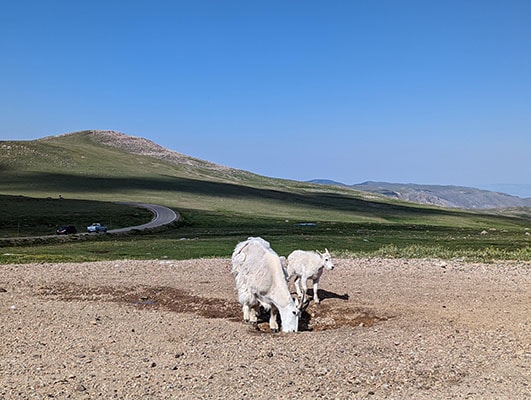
274 330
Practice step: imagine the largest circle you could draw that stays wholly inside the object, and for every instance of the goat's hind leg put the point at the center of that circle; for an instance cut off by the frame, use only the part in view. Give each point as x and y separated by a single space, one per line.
304 284
250 314
246 313
298 288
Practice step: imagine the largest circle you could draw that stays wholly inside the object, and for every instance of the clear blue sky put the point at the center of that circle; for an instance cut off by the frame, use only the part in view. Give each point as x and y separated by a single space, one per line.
403 91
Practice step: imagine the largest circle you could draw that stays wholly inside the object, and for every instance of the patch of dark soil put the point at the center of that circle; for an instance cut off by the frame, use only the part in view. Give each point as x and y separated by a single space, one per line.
331 315
165 297
317 317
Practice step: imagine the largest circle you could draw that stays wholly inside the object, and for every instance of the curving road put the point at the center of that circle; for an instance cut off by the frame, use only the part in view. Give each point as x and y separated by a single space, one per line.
161 216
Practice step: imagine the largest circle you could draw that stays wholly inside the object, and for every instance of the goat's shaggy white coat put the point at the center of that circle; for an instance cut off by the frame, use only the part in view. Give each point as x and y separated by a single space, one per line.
261 281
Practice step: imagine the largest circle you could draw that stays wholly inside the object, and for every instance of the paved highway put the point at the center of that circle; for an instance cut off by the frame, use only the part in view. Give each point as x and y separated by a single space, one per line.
161 216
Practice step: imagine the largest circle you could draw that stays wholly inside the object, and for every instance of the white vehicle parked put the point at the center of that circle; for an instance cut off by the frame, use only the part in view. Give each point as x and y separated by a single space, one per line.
97 227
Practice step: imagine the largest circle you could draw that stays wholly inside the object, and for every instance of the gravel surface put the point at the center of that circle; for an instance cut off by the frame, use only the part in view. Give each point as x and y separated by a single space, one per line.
386 329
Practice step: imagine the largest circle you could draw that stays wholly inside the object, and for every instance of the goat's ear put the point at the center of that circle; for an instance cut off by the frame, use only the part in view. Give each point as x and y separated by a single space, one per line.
326 251
318 252
297 303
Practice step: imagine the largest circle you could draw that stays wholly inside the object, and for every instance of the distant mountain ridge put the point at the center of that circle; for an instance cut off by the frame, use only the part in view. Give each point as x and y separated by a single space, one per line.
520 190
439 195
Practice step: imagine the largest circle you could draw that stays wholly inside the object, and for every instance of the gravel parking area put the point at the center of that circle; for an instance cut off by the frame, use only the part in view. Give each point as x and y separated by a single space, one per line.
164 329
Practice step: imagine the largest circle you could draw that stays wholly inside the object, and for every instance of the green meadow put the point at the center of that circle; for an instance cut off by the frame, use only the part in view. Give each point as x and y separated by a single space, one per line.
76 180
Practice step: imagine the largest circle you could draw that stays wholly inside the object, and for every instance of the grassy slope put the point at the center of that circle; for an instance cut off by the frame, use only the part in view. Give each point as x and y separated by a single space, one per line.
222 206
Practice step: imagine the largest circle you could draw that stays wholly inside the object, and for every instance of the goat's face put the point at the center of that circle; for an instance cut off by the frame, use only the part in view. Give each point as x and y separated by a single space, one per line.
327 260
290 316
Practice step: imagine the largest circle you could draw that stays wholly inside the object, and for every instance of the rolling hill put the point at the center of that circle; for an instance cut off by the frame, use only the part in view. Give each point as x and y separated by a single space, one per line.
220 205
112 166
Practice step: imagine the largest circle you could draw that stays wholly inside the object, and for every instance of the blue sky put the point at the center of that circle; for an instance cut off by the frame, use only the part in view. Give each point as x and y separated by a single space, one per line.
432 92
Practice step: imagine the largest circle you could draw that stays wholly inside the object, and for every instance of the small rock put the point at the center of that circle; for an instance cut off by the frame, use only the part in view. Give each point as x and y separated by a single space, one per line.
80 388
2 290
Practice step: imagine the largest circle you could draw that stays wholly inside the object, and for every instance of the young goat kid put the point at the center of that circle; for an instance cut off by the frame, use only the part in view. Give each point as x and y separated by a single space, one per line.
306 265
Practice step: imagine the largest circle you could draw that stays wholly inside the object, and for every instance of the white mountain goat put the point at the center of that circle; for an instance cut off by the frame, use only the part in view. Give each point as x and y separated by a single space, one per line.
306 265
261 281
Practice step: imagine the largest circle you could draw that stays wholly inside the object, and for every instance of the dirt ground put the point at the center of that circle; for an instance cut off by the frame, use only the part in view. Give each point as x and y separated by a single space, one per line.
385 329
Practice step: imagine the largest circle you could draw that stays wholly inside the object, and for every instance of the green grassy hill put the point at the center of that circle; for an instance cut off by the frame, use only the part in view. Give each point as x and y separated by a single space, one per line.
221 205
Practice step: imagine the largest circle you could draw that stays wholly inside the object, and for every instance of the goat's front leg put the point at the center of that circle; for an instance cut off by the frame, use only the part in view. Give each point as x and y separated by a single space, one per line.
315 295
297 283
273 323
304 284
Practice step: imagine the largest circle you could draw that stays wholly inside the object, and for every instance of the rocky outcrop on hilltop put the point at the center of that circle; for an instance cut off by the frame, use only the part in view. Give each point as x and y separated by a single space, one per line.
145 147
